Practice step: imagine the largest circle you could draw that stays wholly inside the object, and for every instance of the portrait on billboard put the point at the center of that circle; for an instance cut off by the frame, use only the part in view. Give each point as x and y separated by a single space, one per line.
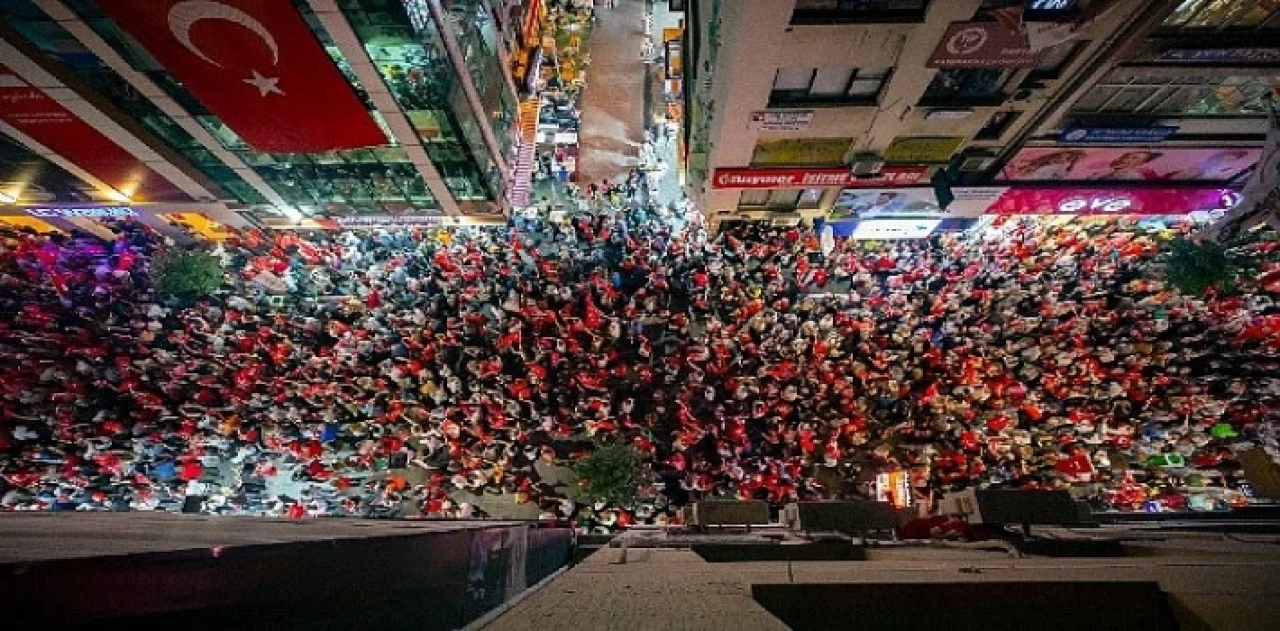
1129 164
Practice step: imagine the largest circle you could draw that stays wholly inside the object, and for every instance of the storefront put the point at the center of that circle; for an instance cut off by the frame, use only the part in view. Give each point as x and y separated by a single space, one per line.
181 222
1149 209
1113 202
806 192
905 213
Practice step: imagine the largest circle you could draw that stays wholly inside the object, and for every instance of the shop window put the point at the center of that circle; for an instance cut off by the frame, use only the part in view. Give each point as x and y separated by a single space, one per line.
997 125
784 199
843 11
819 86
801 152
1204 15
968 86
1127 91
781 198
810 198
752 199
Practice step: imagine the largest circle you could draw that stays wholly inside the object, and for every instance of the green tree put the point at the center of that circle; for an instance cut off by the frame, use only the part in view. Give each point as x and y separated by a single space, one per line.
1193 267
187 273
610 474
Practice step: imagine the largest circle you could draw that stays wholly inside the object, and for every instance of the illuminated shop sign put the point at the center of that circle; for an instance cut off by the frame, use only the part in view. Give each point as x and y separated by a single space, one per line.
894 229
90 212
1067 201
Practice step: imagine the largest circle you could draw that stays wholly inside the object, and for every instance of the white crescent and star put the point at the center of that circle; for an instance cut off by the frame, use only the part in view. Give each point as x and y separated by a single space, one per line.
184 15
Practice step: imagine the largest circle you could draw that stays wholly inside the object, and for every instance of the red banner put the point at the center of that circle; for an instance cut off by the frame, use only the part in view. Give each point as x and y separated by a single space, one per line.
257 66
815 178
34 113
1112 201
983 45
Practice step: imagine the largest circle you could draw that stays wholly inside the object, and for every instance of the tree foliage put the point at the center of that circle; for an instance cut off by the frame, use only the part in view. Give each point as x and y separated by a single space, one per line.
187 273
610 474
1195 267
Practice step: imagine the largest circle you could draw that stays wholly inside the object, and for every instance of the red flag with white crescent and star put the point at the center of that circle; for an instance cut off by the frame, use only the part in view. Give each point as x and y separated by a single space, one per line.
257 66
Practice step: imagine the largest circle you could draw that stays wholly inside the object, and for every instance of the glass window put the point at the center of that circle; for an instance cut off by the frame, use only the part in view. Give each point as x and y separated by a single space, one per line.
1131 91
409 53
816 86
835 11
784 198
828 82
868 83
811 198
753 198
793 79
966 85
1224 14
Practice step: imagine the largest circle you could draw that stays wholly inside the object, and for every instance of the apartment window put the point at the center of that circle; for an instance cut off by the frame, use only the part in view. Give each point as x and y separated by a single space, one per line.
782 199
838 11
1207 15
997 125
1134 92
968 86
836 86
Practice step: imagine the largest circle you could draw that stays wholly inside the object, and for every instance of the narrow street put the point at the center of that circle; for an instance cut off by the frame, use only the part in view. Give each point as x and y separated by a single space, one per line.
617 100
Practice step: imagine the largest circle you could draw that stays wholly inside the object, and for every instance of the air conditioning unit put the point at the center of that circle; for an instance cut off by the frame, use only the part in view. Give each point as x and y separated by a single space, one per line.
866 165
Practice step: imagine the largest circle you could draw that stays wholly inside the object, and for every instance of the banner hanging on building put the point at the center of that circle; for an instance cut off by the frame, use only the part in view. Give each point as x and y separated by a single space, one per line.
38 116
1129 164
983 45
258 67
747 178
1113 201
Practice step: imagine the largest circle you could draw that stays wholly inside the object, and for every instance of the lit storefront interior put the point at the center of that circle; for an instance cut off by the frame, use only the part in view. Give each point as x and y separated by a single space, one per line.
410 54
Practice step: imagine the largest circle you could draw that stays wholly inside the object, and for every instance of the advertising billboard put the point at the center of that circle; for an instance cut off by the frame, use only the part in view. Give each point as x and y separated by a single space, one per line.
1113 201
910 202
1129 164
983 45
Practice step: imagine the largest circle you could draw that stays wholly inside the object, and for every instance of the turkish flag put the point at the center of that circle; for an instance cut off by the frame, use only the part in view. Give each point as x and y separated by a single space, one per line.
257 66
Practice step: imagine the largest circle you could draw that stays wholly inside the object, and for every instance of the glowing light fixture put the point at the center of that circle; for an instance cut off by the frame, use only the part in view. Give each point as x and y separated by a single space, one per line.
6 198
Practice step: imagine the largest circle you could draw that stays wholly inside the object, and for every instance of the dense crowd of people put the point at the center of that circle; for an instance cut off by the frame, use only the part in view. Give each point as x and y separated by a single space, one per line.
398 371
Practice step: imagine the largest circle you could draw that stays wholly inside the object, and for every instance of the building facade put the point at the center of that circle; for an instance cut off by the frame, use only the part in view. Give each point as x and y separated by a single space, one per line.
259 112
824 108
